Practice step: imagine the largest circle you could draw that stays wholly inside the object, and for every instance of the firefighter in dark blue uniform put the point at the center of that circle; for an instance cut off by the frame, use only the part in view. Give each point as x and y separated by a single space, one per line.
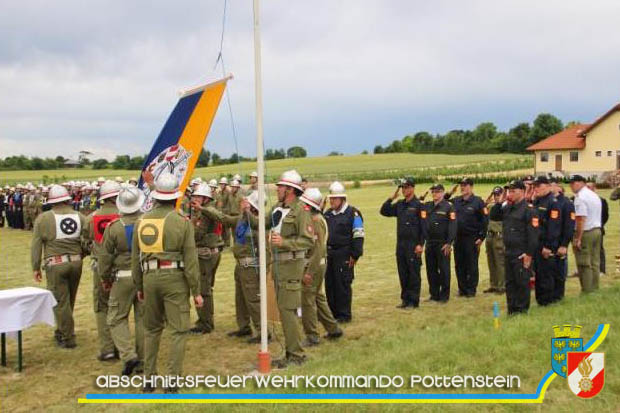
521 232
471 230
546 263
568 230
440 227
410 237
345 245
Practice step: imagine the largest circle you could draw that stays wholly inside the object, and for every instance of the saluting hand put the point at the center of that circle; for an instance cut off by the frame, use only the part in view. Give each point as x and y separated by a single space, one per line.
37 276
395 194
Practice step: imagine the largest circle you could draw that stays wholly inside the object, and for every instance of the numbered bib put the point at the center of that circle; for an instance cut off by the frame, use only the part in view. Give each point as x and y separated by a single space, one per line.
151 235
68 226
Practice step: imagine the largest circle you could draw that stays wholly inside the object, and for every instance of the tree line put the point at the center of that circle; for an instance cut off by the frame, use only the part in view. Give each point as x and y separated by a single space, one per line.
485 138
128 162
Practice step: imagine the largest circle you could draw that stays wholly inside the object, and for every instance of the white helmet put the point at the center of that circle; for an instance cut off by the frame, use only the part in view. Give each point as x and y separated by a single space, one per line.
101 179
119 179
133 179
336 190
253 199
237 177
109 189
87 187
203 190
130 199
235 183
213 183
312 197
45 190
166 187
196 181
254 174
291 178
58 194
224 180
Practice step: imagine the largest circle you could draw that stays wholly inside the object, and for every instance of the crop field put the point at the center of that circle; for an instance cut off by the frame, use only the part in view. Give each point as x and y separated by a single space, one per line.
355 167
453 339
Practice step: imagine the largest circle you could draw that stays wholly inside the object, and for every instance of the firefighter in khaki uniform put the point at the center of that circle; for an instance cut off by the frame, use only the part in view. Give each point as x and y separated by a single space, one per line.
209 245
222 205
314 308
165 270
95 226
292 235
115 270
57 239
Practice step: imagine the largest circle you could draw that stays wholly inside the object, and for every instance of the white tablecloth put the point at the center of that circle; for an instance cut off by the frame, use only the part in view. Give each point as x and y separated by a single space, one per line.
20 308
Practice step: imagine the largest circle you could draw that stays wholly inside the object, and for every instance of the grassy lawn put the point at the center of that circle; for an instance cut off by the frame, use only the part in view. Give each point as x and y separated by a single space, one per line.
457 338
364 166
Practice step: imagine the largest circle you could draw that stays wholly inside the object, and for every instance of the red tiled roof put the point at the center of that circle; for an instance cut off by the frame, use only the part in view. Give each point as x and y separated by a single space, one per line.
570 138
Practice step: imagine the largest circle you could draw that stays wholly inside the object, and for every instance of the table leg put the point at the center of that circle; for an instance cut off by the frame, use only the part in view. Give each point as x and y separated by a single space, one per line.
3 349
19 351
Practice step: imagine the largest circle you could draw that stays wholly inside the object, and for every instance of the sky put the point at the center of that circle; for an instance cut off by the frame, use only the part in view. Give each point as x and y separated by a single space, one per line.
339 75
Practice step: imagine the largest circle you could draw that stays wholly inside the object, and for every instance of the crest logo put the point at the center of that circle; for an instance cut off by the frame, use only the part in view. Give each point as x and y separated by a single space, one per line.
566 339
174 160
586 373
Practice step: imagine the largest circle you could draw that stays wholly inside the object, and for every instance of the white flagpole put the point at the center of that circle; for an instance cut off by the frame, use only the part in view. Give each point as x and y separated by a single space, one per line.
264 362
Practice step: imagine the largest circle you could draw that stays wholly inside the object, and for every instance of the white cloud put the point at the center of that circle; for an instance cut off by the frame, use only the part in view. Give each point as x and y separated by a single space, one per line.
337 75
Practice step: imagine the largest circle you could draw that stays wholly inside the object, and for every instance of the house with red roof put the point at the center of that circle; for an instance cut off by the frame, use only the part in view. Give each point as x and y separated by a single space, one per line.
585 149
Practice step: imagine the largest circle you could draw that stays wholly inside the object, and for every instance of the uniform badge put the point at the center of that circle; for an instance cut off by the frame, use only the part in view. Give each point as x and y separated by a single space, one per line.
100 223
586 373
535 222
151 235
555 214
68 226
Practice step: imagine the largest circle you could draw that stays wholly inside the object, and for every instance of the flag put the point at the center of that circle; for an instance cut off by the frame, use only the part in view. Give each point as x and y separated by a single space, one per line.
179 143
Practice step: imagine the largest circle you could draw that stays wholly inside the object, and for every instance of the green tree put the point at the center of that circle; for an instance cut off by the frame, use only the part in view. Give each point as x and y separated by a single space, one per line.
203 158
121 162
296 152
100 163
544 126
217 159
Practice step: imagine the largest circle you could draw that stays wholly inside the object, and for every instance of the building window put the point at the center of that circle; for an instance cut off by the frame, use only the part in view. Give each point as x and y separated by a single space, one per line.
608 153
597 154
574 156
544 157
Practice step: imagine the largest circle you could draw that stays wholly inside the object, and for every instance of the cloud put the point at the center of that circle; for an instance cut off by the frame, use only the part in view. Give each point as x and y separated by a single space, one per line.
340 75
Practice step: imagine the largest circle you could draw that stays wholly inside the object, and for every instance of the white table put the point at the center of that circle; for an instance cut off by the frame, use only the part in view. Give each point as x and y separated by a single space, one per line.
21 308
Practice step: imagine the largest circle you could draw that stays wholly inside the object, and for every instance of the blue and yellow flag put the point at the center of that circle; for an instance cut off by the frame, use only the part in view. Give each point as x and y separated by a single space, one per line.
179 143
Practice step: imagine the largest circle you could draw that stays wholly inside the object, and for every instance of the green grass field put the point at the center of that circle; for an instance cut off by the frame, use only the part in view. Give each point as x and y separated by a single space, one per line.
327 167
457 338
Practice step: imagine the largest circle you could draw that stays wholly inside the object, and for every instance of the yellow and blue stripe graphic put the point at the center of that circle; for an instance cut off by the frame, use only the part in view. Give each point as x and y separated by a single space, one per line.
420 398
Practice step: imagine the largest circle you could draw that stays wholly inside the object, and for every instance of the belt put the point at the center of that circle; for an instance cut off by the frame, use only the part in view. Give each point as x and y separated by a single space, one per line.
155 264
248 261
61 259
208 251
123 273
290 255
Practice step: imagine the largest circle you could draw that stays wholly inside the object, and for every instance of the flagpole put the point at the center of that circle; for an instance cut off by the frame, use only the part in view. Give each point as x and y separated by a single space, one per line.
264 360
